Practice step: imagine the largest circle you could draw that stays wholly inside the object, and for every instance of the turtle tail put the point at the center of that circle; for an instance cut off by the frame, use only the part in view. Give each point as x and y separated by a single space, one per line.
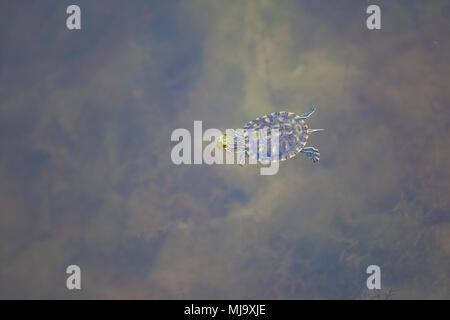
314 130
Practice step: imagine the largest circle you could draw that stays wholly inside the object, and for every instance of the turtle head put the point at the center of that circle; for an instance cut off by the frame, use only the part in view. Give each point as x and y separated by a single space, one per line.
225 141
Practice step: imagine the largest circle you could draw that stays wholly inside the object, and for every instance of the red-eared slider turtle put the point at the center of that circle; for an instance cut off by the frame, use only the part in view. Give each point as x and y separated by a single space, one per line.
258 138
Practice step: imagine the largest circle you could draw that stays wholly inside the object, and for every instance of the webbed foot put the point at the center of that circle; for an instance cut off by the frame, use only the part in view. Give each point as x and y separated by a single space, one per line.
311 153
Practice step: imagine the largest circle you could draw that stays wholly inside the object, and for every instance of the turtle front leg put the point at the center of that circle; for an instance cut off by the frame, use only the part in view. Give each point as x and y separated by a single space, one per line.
307 113
311 153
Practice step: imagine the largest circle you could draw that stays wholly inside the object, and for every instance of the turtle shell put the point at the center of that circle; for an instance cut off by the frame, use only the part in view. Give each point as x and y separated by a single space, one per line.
292 136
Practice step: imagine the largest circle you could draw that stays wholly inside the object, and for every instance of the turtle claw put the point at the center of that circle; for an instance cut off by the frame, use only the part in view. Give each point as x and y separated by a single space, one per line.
311 153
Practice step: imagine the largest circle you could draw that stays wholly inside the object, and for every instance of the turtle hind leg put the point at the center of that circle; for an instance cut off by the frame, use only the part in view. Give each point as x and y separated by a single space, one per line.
311 153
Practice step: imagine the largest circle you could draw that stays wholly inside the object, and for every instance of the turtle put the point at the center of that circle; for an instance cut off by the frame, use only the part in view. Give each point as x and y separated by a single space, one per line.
257 139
